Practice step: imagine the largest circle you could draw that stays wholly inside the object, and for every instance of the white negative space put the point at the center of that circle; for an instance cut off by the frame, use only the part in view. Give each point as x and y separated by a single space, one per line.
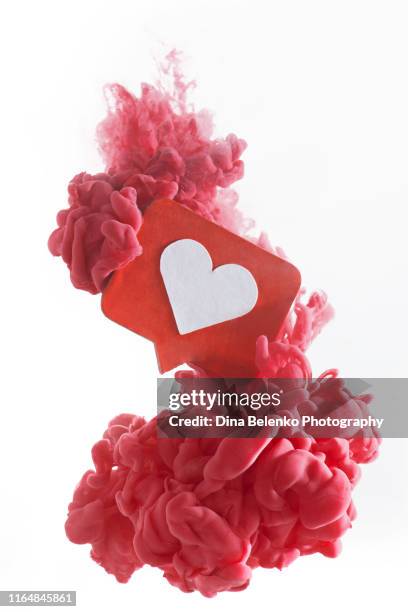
200 296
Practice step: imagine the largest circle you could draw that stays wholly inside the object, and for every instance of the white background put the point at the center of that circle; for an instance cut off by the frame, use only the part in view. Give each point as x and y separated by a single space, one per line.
319 90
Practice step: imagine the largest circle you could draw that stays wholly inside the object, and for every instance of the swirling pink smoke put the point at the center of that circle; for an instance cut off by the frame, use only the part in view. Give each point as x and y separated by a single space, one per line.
153 148
205 511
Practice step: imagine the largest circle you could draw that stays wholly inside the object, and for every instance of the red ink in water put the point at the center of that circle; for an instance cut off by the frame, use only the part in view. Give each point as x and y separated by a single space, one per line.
206 512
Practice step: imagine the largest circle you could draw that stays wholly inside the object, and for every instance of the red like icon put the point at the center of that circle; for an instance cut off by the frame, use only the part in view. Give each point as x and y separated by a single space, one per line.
202 294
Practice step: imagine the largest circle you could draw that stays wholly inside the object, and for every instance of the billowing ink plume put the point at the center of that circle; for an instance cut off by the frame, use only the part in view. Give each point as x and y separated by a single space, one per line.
207 512
153 148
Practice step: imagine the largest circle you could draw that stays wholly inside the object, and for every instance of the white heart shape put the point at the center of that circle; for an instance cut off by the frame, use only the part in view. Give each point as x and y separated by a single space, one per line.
200 296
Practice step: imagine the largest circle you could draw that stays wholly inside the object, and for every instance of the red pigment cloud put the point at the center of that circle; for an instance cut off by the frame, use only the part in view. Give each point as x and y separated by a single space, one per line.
209 511
206 512
153 148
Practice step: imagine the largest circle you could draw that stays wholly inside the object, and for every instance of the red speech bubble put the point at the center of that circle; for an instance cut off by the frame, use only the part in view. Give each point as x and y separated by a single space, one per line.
202 294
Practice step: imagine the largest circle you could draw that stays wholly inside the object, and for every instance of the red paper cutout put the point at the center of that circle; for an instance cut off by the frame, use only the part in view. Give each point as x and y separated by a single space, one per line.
137 299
